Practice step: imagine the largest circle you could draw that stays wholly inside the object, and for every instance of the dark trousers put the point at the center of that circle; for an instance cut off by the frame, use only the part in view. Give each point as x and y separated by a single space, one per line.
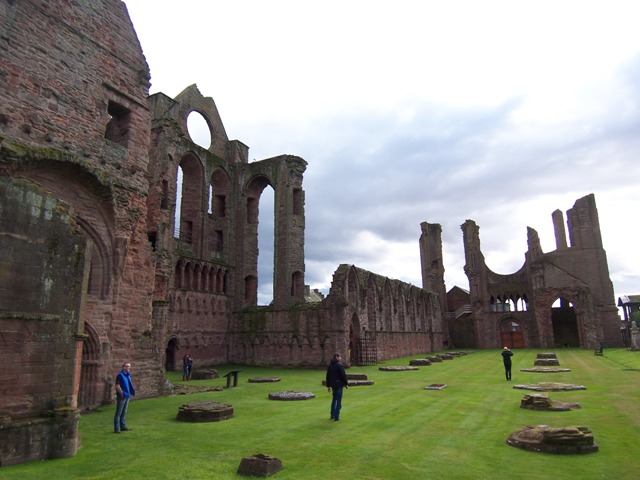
507 371
120 419
336 402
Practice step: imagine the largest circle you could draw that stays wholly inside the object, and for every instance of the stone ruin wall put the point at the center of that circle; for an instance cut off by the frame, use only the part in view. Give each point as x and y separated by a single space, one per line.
74 120
40 336
577 272
77 122
401 318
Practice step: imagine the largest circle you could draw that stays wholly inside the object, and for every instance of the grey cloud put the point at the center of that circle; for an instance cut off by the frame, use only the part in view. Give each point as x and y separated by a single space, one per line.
385 173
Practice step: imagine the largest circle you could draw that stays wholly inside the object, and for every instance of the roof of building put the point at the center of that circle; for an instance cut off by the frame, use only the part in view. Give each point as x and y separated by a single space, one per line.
455 287
628 300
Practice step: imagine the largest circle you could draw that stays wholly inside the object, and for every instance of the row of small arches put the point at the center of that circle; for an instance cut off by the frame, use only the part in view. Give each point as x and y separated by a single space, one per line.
509 302
201 277
187 304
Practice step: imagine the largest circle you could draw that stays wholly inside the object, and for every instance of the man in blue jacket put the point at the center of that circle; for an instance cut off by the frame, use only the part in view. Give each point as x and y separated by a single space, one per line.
336 380
124 391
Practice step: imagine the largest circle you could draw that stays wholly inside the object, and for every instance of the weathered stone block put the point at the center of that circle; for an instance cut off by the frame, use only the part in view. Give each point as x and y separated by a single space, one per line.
546 362
198 412
259 465
546 355
202 374
537 401
564 440
420 362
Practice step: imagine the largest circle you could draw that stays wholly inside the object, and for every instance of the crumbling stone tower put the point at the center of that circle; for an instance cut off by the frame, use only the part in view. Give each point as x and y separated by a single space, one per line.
432 265
518 310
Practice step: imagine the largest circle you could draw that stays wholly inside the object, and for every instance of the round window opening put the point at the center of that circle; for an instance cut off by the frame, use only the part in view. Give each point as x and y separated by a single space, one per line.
199 129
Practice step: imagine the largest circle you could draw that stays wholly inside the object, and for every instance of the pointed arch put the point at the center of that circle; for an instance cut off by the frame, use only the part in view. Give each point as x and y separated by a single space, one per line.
219 191
372 304
387 306
189 198
89 393
564 320
170 354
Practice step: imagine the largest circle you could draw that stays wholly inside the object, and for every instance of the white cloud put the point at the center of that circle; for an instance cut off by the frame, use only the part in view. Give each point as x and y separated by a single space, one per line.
411 111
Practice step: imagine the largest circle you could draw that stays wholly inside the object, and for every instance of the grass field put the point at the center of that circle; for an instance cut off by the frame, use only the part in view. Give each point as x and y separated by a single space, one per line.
394 429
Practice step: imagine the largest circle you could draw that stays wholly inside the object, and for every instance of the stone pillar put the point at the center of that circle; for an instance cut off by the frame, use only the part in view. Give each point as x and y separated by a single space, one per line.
288 246
561 233
635 337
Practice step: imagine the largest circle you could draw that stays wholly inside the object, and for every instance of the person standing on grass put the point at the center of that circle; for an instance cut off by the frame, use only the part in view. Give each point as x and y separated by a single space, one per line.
336 381
506 358
124 391
187 365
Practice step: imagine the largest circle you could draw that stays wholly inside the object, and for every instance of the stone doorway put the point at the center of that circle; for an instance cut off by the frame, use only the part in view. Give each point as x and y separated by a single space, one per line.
170 355
565 324
511 334
88 393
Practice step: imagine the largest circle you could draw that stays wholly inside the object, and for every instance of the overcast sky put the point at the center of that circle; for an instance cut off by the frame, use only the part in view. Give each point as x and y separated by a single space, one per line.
412 111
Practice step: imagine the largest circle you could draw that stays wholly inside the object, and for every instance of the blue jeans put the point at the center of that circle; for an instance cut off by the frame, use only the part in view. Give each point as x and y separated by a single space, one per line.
336 402
120 419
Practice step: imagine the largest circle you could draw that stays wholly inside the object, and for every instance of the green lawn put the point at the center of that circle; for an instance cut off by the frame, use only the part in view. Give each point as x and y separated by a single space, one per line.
394 429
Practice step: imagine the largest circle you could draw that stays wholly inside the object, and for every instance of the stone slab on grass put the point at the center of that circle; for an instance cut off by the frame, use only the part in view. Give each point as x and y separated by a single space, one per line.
550 387
291 395
396 369
436 386
545 370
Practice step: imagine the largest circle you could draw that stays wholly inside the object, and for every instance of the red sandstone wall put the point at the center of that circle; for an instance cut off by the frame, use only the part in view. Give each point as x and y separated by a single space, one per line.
41 271
66 72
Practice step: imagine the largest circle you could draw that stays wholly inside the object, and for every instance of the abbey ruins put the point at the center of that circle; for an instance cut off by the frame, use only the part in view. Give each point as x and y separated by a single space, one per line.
94 270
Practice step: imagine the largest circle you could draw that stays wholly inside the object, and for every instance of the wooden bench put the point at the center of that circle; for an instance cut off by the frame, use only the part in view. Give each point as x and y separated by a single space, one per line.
232 374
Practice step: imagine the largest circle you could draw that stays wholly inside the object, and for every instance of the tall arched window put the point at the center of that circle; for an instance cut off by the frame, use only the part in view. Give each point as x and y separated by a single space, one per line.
189 205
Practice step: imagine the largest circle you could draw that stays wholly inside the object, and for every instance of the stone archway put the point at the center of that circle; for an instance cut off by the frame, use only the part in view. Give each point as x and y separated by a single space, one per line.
89 395
170 355
565 324
511 334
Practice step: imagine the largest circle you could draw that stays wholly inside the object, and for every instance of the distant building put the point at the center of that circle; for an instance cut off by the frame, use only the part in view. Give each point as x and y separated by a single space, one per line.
630 305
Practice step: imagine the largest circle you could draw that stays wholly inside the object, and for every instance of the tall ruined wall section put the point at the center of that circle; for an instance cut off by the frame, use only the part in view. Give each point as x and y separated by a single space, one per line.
204 205
519 307
583 271
432 264
401 319
74 122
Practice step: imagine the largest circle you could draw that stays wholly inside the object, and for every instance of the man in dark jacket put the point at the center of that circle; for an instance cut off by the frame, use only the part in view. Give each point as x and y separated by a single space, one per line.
336 380
506 358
